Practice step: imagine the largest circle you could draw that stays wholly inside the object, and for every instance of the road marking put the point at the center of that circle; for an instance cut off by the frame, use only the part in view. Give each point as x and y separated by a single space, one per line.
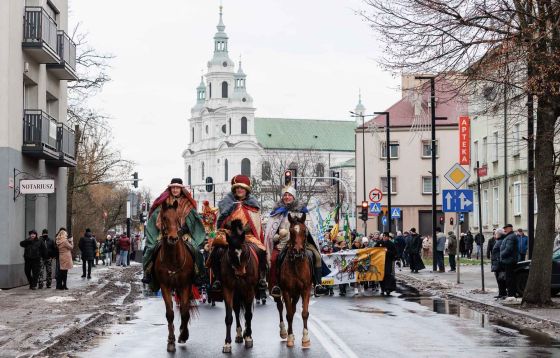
335 339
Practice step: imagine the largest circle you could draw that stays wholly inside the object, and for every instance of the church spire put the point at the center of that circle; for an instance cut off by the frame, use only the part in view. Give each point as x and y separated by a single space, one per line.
221 27
220 38
360 109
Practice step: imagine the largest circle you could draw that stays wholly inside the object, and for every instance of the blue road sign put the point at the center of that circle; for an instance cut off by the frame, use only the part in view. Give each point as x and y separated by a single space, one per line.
374 208
384 220
458 201
395 213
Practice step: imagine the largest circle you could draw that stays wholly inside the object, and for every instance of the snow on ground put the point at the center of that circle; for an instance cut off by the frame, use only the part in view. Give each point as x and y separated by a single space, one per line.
59 299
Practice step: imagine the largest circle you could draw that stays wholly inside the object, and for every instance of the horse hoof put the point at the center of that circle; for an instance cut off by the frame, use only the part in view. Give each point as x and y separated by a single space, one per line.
171 347
239 339
306 344
283 334
226 348
181 341
290 341
248 342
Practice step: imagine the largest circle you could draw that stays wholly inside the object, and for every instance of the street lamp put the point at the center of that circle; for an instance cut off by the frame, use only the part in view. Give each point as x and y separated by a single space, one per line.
364 157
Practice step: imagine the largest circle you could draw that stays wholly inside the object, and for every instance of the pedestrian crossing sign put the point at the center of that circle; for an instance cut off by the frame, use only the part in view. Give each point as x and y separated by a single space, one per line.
375 208
395 213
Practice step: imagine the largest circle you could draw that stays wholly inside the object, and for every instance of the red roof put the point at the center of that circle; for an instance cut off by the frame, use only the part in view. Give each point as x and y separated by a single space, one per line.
448 104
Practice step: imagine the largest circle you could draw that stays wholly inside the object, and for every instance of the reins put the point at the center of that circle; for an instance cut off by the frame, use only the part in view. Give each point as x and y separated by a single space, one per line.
179 238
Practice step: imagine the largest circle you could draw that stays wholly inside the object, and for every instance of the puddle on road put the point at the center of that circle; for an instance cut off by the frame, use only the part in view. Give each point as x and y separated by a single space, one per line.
368 309
500 326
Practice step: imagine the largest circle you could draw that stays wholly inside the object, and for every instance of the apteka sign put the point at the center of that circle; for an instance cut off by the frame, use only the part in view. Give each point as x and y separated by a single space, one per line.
464 140
36 186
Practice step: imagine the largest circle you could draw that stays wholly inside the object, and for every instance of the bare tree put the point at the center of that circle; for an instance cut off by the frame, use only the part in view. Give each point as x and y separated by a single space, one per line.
515 43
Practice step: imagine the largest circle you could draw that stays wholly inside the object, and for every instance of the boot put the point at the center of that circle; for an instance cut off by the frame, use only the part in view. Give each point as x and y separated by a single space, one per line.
216 269
147 277
319 289
262 270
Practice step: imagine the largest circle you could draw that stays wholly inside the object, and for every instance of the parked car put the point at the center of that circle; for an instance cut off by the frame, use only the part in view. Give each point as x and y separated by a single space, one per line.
522 274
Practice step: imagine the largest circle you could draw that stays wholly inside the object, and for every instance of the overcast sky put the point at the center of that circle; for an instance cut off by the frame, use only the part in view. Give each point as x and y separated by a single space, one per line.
303 59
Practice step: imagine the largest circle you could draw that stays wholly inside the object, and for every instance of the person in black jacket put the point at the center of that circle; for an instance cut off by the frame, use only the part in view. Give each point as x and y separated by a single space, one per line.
414 248
469 240
87 245
496 267
35 250
46 262
491 244
509 254
389 283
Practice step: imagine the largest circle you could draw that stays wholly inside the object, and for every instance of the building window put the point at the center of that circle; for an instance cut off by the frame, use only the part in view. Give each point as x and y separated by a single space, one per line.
475 151
226 169
202 170
517 198
393 185
516 139
495 205
192 135
484 151
320 171
427 185
266 171
427 148
475 211
485 207
243 125
536 204
189 177
206 129
246 167
394 150
495 152
209 89
224 89
229 125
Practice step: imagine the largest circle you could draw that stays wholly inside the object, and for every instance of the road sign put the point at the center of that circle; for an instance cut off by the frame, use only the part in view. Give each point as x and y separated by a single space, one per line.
457 175
464 140
483 171
458 201
384 220
375 195
395 213
374 208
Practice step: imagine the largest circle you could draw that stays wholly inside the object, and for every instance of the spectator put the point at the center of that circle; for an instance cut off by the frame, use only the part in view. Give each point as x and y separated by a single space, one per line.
124 246
440 249
509 255
452 249
65 245
479 241
523 243
491 244
496 267
416 263
357 244
462 248
389 283
469 241
35 251
365 242
399 246
108 250
46 263
406 254
87 245
97 252
426 247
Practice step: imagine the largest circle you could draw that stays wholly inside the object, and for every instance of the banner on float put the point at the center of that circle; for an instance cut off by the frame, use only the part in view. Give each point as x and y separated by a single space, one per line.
355 266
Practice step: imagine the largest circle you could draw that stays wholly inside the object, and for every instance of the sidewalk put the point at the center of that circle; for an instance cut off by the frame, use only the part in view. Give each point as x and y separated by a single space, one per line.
470 290
34 320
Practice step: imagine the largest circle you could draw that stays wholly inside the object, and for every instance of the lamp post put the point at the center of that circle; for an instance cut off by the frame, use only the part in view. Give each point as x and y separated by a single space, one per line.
388 157
364 157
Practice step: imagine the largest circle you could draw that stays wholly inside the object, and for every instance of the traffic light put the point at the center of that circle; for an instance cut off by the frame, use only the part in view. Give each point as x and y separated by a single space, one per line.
364 211
336 175
209 184
441 220
287 177
135 181
451 221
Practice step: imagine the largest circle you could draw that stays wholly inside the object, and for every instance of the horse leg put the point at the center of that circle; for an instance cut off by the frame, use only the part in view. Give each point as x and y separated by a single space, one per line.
168 299
305 341
248 334
280 307
238 329
228 301
185 313
289 317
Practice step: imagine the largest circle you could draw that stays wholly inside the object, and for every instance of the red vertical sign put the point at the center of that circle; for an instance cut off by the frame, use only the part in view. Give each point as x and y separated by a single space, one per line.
464 140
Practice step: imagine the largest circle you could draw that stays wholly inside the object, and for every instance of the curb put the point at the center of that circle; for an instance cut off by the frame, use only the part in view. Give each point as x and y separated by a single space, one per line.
503 309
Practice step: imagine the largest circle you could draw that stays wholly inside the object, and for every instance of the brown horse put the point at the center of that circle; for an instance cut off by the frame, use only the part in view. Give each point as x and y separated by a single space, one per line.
295 281
240 274
174 270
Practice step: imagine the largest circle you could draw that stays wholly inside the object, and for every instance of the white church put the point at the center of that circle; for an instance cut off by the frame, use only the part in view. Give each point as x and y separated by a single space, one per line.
226 138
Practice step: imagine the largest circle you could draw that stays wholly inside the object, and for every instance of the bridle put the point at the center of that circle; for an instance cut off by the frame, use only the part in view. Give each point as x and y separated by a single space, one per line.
172 242
293 254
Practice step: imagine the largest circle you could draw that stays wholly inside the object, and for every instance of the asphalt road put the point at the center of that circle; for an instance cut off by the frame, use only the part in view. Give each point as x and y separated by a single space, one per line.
370 326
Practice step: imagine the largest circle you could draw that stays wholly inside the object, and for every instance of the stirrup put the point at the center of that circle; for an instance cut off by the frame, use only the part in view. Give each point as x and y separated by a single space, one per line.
262 284
276 292
320 290
216 285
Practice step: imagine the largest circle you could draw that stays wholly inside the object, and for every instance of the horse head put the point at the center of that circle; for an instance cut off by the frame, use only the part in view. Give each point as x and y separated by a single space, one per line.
298 233
237 254
170 222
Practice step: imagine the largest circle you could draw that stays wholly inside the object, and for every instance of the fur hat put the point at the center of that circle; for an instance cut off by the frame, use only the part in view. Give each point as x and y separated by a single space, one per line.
178 182
45 231
241 181
290 190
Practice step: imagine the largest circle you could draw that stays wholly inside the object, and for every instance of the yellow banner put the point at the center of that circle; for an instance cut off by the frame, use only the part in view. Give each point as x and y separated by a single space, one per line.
355 266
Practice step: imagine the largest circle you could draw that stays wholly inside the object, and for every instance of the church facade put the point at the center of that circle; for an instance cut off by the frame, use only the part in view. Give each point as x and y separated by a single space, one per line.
225 138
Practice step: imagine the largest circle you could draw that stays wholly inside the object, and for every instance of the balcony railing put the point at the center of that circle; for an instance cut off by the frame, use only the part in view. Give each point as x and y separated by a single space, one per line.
66 49
40 34
39 134
66 138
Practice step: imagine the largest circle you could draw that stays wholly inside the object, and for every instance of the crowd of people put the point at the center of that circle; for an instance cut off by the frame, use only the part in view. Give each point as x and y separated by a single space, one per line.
42 252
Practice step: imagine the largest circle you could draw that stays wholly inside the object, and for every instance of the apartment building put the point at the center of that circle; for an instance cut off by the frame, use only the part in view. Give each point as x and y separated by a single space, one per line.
37 59
410 154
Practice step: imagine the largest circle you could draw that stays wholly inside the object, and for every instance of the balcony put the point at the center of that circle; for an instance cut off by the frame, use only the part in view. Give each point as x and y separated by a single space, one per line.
65 145
40 35
39 135
66 49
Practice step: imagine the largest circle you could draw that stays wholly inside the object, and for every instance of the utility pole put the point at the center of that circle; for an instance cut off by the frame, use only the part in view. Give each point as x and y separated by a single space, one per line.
530 174
480 223
388 157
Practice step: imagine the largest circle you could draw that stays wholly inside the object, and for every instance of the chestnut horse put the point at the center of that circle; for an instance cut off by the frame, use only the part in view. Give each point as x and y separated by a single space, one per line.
174 270
240 274
295 281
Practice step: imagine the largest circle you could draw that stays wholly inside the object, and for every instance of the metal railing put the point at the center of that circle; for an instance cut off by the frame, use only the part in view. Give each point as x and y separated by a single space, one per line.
66 49
39 27
65 138
39 128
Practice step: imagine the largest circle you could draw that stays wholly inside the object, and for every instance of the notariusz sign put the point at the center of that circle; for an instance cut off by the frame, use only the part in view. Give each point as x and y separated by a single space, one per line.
36 186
